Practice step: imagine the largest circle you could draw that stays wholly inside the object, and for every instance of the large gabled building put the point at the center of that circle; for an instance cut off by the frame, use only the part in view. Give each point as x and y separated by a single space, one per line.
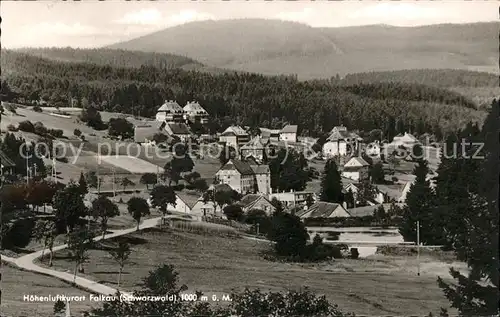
245 178
341 142
194 112
170 111
234 136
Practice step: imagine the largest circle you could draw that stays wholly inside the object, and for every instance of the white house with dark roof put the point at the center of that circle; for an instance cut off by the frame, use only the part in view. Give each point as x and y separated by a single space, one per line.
293 198
323 209
356 169
341 142
234 136
194 112
254 148
179 130
170 111
289 133
245 178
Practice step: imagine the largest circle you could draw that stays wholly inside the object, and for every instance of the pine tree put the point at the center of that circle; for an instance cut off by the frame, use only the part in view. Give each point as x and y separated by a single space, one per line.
82 183
331 183
477 294
420 206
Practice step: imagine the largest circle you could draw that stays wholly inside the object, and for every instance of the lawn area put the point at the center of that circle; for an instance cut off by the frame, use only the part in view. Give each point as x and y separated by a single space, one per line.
17 283
380 285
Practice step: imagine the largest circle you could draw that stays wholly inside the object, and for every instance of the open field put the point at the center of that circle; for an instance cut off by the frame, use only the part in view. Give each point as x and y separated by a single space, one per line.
17 283
132 164
374 286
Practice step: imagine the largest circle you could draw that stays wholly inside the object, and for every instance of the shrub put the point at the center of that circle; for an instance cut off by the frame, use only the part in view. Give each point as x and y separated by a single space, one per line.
12 128
26 126
77 132
12 108
40 129
233 212
37 108
57 133
82 137
394 179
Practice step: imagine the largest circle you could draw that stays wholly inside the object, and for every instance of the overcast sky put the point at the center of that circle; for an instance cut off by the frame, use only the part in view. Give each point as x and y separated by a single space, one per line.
94 24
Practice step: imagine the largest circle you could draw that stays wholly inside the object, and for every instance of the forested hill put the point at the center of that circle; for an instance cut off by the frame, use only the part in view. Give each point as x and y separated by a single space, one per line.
115 58
410 92
431 77
242 98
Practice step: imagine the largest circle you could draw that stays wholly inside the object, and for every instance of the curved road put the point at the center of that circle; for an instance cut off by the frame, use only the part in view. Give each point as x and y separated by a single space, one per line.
26 262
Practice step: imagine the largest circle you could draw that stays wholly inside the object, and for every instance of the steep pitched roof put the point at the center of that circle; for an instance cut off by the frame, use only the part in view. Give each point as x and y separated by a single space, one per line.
236 130
254 144
243 167
170 105
289 129
5 160
188 199
194 107
341 133
250 200
323 209
178 128
260 169
356 162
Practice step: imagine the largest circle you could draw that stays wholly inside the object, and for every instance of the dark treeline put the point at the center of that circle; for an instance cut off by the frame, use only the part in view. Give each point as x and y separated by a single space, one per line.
242 98
432 77
410 92
112 57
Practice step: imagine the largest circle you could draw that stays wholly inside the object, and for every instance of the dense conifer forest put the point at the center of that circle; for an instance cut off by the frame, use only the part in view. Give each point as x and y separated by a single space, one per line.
242 98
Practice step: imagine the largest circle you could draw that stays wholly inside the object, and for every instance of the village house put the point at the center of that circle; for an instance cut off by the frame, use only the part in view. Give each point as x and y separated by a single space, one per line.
254 148
356 169
262 178
184 204
341 142
294 198
378 198
170 111
234 136
407 140
7 166
194 112
269 135
373 149
209 208
256 201
323 209
288 133
179 130
237 174
245 178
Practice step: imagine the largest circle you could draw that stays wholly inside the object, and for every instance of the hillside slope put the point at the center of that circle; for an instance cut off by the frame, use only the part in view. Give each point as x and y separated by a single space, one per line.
115 58
278 47
232 98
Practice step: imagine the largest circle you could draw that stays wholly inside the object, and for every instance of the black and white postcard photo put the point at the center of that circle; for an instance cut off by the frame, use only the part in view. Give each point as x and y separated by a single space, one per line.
249 158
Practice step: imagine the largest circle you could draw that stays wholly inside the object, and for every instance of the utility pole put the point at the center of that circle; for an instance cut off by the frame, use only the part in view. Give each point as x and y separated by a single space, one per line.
27 168
418 247
114 191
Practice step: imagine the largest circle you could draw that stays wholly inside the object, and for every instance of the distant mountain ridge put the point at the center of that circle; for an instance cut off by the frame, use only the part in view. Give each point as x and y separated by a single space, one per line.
277 47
